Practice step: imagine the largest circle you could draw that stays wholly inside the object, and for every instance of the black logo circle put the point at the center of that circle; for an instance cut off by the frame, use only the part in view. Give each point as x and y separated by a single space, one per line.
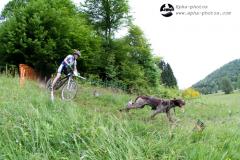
166 10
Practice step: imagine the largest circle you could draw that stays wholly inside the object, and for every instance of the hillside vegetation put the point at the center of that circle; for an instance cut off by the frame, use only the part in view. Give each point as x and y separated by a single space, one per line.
32 127
41 33
212 83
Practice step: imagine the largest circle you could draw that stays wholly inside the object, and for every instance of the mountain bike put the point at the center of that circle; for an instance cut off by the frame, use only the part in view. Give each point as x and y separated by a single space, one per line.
69 89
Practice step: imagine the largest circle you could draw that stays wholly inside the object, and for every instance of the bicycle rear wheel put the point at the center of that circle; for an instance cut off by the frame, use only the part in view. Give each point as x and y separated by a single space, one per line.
69 90
49 84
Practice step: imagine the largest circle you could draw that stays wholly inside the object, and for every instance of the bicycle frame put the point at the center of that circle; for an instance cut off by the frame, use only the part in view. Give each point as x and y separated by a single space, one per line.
63 80
69 89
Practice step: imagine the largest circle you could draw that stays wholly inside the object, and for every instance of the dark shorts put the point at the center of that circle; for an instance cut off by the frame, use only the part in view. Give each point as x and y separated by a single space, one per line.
63 69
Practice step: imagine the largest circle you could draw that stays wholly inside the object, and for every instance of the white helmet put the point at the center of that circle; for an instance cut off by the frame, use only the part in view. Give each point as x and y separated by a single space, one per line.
77 52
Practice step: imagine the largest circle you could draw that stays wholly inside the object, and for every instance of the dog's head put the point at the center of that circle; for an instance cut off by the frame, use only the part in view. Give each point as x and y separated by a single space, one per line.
178 102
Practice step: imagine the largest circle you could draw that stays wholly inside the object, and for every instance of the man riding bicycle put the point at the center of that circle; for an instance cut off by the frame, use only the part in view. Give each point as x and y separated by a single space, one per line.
69 62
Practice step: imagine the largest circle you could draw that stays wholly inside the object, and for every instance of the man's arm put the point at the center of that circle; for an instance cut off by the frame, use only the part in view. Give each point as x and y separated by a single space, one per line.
66 60
75 66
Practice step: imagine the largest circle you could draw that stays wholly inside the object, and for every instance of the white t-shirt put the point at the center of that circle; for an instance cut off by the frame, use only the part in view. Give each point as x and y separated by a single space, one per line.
70 60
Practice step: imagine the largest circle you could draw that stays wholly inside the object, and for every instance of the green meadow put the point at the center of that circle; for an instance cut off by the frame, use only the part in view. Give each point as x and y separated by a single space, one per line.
89 127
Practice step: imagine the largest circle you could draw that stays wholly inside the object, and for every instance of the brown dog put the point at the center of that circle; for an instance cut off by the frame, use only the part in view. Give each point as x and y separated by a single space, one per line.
158 105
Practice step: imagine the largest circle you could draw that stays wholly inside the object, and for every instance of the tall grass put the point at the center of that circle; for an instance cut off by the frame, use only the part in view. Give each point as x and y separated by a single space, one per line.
32 127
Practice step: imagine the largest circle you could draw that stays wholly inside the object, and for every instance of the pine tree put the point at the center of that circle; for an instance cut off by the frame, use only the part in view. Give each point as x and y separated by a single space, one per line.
167 76
172 82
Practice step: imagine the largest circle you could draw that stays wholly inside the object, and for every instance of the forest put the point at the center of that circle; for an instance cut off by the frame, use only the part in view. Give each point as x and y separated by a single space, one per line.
41 33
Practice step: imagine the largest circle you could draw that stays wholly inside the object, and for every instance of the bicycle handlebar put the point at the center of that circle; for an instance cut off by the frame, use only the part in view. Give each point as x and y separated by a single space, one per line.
80 77
72 74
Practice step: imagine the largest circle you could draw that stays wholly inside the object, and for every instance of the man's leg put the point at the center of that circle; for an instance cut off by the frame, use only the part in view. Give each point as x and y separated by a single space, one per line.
59 71
53 83
55 80
60 68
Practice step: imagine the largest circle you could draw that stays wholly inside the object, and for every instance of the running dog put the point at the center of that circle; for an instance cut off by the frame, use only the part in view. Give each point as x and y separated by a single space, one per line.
158 105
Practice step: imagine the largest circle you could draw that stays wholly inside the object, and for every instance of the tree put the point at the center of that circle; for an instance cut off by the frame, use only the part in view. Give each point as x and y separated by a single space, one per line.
128 72
238 82
107 15
12 6
163 77
43 32
172 82
140 54
226 85
167 75
132 62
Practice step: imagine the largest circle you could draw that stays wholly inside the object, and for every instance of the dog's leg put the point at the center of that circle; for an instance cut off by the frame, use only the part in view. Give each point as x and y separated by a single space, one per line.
169 116
129 104
139 103
156 112
133 106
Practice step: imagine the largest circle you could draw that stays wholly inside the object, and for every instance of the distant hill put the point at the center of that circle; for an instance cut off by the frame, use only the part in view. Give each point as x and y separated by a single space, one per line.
211 83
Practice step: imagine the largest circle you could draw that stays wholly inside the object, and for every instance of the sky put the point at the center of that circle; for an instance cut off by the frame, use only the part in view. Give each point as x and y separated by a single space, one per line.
195 44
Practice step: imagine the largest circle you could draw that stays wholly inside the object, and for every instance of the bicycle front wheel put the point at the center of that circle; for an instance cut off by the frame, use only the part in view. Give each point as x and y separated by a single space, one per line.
69 90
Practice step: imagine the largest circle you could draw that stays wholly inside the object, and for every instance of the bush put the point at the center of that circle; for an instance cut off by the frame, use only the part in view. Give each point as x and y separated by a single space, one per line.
190 93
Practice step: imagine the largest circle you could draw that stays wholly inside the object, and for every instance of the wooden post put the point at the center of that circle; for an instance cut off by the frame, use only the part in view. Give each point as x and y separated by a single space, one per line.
6 69
26 72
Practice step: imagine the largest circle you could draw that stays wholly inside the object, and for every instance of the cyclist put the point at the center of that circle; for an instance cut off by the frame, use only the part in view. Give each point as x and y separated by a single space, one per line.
70 62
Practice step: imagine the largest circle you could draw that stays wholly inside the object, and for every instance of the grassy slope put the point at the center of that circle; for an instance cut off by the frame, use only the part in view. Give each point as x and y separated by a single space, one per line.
31 127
